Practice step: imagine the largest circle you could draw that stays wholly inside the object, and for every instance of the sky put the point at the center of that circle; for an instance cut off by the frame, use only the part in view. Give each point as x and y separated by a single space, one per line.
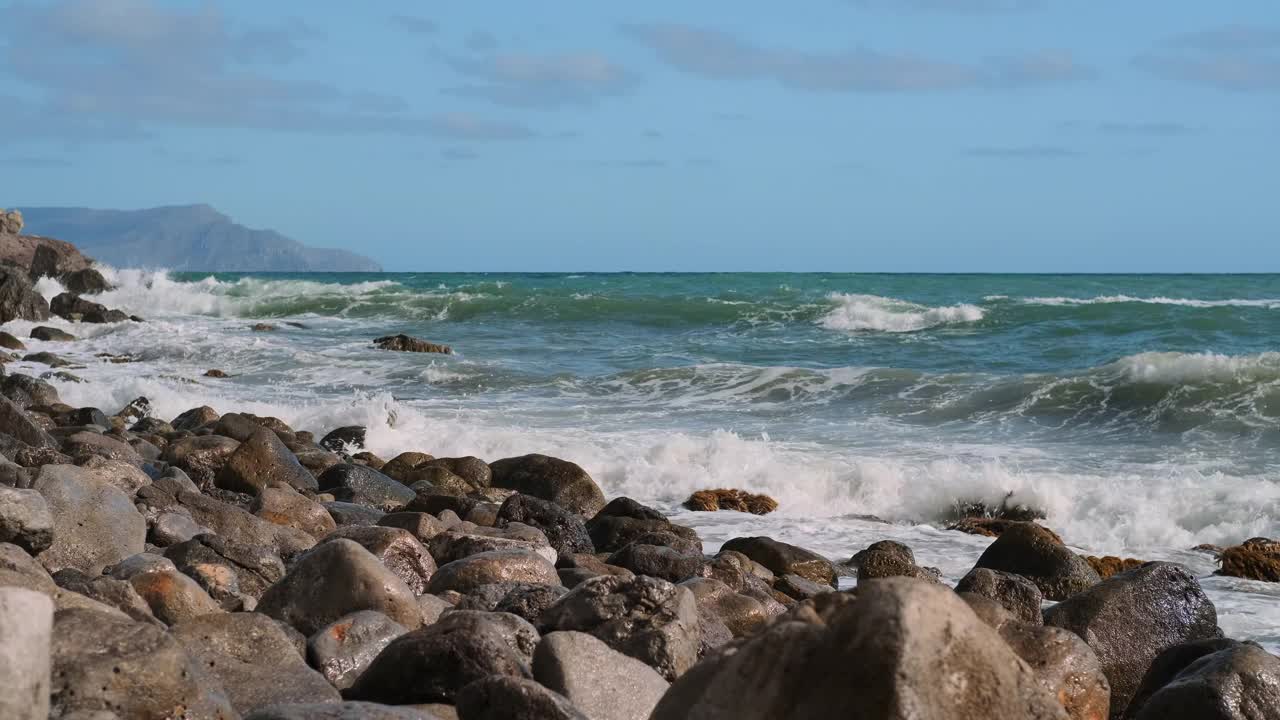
832 135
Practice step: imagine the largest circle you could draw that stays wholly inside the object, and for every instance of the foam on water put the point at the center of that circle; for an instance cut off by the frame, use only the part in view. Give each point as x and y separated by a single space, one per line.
1270 303
874 313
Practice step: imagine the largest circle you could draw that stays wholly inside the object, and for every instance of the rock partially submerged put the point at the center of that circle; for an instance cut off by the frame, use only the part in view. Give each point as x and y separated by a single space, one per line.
1254 559
407 343
725 499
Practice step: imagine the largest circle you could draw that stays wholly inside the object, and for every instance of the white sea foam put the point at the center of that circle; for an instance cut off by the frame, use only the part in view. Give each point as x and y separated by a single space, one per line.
1271 303
1176 368
876 313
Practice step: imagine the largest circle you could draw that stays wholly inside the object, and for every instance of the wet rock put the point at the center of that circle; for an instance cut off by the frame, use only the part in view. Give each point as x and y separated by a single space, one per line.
904 648
347 711
253 659
242 528
1065 666
736 500
343 650
1035 553
1016 594
85 281
511 698
405 343
783 559
368 458
344 439
125 476
365 486
337 578
656 561
172 596
196 418
346 513
530 601
436 480
475 471
449 546
92 443
397 549
890 559
229 571
559 481
19 299
261 460
1130 618
134 670
50 334
283 505
216 373
646 618
26 624
18 425
495 566
740 614
603 683
421 525
171 528
25 520
1254 559
1110 564
433 664
798 588
202 457
989 527
118 594
1209 680
95 524
564 529
9 342
611 530
402 466
439 504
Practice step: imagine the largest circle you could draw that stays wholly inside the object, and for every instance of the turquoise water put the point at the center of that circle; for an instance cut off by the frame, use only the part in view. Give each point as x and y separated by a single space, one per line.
1140 413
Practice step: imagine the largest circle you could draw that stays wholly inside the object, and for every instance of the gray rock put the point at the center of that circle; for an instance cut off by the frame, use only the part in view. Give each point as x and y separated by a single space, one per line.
18 424
446 547
242 528
1210 680
26 624
1021 597
740 614
139 564
657 561
92 443
1064 666
530 601
260 461
346 513
95 524
564 529
496 566
25 520
254 660
421 525
1132 617
344 711
512 698
126 476
363 485
475 471
901 648
343 650
282 505
202 456
232 573
335 579
1033 552
603 683
171 528
560 481
784 559
397 549
19 299
646 618
118 594
172 596
134 670
798 588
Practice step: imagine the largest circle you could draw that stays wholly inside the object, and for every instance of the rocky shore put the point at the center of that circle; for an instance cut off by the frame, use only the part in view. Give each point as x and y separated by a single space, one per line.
219 564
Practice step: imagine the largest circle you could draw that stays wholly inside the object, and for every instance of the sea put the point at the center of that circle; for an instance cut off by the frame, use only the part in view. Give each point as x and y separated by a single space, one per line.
1139 413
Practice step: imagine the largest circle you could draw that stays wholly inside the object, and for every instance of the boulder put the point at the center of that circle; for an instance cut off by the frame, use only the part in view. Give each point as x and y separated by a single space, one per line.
739 614
10 222
783 559
343 650
349 711
405 343
396 549
889 559
344 439
1209 680
903 647
646 618
657 561
240 527
602 682
49 334
529 601
337 578
421 525
25 520
282 505
736 500
9 342
172 596
1109 565
94 523
26 624
434 663
18 424
196 418
1016 594
559 481
436 480
402 466
449 546
1130 618
510 698
254 660
1254 559
495 566
261 460
92 443
363 485
564 529
86 281
346 513
229 571
118 594
472 469
103 663
19 299
1064 666
202 456
1037 554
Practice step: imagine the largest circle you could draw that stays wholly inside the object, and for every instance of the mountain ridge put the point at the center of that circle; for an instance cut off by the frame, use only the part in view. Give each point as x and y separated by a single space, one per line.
185 238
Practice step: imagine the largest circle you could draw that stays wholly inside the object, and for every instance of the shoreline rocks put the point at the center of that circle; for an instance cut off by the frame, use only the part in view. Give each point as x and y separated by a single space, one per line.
406 343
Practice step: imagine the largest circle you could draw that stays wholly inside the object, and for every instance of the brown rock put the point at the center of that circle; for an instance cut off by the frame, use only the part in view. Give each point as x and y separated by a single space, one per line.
1035 553
405 343
1110 564
1065 666
1254 559
737 500
261 460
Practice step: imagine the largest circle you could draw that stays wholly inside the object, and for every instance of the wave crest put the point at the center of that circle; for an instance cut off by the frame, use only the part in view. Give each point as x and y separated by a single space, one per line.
875 313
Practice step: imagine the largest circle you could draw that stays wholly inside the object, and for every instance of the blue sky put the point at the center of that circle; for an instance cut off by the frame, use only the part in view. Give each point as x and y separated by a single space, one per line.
855 135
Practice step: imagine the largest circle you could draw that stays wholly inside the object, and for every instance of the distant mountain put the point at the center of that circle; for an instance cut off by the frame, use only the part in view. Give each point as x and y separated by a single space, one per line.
185 237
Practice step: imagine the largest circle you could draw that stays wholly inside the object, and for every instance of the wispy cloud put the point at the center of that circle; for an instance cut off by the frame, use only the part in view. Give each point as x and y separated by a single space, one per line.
414 24
1022 152
716 54
1239 58
529 80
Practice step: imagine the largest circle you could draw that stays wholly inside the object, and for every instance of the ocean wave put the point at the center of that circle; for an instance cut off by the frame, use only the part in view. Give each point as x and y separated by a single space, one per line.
1173 368
1270 303
855 312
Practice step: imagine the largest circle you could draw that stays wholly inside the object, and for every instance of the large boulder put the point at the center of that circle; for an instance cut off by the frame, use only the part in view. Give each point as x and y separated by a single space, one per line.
254 659
103 663
503 697
1210 680
1035 553
343 650
496 566
741 615
888 558
1254 559
240 527
646 618
95 524
26 624
343 439
229 571
564 529
395 548
363 485
406 343
600 681
1064 665
901 648
657 561
202 456
261 460
433 664
1130 618
18 299
282 505
25 520
173 596
17 424
560 481
85 282
783 559
333 580
1016 594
